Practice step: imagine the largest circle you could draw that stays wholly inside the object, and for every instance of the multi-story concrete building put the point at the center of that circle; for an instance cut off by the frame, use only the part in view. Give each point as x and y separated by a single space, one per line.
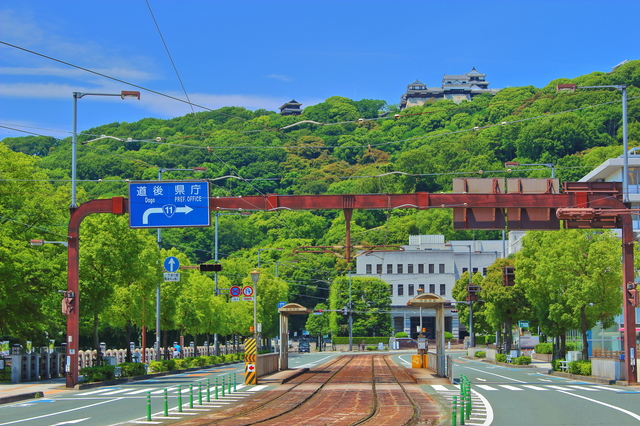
431 265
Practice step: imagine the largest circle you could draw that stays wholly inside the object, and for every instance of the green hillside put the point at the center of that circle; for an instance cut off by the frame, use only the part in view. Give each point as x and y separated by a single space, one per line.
339 146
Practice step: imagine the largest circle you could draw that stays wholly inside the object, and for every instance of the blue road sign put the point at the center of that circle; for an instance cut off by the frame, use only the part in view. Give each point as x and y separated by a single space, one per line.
171 264
281 304
169 204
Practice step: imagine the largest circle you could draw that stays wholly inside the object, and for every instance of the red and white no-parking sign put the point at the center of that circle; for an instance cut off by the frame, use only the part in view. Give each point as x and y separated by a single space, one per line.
247 291
234 291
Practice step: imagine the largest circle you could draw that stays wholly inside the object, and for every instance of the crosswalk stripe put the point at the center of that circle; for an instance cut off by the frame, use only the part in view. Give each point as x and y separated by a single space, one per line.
583 388
257 388
96 391
162 390
486 387
140 391
564 388
513 388
115 392
534 387
606 388
439 387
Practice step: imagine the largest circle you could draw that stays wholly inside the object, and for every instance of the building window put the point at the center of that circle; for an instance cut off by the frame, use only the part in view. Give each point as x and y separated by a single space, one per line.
410 268
378 269
484 271
421 287
432 288
441 268
389 269
421 268
431 268
400 289
368 269
443 290
391 289
399 268
410 289
475 270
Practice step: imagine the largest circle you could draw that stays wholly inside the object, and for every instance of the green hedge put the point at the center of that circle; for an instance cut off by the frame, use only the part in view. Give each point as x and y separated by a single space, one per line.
582 368
401 334
480 354
191 362
521 360
543 348
357 340
99 374
448 335
132 369
501 358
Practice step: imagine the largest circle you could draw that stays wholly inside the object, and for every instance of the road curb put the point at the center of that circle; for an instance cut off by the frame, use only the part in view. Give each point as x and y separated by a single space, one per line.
20 397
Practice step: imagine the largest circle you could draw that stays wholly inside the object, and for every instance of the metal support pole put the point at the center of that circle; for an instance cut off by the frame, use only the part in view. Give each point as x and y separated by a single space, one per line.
625 144
74 140
350 316
216 348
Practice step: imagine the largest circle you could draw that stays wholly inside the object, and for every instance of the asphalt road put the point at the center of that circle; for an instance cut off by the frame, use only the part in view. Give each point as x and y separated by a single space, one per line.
127 403
525 396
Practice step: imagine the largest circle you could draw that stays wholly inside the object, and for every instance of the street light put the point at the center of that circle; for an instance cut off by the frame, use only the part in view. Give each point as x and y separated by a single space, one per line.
283 261
74 135
472 340
516 164
43 242
625 129
159 242
255 276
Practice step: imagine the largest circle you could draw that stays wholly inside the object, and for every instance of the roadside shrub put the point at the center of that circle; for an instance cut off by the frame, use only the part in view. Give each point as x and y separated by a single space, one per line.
402 334
344 340
480 354
582 368
555 364
157 367
543 348
448 335
180 363
229 357
132 369
170 364
501 358
372 348
200 361
99 374
521 360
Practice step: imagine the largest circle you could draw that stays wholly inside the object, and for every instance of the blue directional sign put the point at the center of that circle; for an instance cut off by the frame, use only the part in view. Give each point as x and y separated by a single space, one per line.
171 264
169 204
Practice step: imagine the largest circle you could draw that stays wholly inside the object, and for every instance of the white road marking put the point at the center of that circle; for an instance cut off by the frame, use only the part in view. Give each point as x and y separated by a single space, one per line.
583 388
538 388
60 412
606 388
439 387
486 387
561 388
115 392
513 388
140 391
494 374
622 410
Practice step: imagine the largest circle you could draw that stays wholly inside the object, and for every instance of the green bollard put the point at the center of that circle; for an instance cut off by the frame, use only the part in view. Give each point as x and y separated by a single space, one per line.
208 391
469 406
148 406
216 388
229 380
166 404
462 396
199 393
190 395
234 382
223 385
179 398
454 410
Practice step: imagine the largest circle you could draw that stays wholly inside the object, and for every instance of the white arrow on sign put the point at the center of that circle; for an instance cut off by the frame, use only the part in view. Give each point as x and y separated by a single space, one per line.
168 213
71 422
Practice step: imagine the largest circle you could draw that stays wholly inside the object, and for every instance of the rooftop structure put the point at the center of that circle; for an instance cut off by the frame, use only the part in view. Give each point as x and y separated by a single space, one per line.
454 87
291 108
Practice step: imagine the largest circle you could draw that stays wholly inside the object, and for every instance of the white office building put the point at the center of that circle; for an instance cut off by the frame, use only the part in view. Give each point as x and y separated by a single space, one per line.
432 265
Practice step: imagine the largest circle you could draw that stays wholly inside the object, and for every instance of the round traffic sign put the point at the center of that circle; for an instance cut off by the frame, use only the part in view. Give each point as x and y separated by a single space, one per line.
247 291
234 291
171 264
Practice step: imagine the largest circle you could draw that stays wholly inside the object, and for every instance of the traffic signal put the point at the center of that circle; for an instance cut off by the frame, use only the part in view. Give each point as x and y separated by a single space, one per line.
317 312
454 311
344 311
210 267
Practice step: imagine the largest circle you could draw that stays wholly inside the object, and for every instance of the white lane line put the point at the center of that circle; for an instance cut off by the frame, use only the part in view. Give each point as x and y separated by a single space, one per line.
257 388
513 388
61 412
606 388
489 419
486 387
534 387
140 391
494 374
95 391
162 390
622 410
583 388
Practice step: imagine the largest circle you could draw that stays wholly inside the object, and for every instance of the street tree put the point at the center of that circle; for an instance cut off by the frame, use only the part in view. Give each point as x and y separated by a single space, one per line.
319 325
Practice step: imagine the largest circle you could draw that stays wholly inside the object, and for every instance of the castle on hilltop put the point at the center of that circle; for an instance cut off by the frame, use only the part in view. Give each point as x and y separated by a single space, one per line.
456 88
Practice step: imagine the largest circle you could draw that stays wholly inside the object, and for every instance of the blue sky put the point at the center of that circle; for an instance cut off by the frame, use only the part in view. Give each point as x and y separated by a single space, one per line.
261 54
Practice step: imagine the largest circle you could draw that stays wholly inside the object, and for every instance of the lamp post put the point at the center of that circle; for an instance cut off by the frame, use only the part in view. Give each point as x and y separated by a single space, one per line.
255 276
472 340
516 164
350 316
625 135
159 242
283 261
74 135
420 291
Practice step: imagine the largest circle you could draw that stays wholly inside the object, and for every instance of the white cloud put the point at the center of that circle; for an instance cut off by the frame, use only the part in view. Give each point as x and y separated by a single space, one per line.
280 77
121 73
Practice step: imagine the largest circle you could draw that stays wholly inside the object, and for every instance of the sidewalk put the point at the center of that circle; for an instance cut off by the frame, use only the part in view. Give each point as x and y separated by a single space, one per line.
12 392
